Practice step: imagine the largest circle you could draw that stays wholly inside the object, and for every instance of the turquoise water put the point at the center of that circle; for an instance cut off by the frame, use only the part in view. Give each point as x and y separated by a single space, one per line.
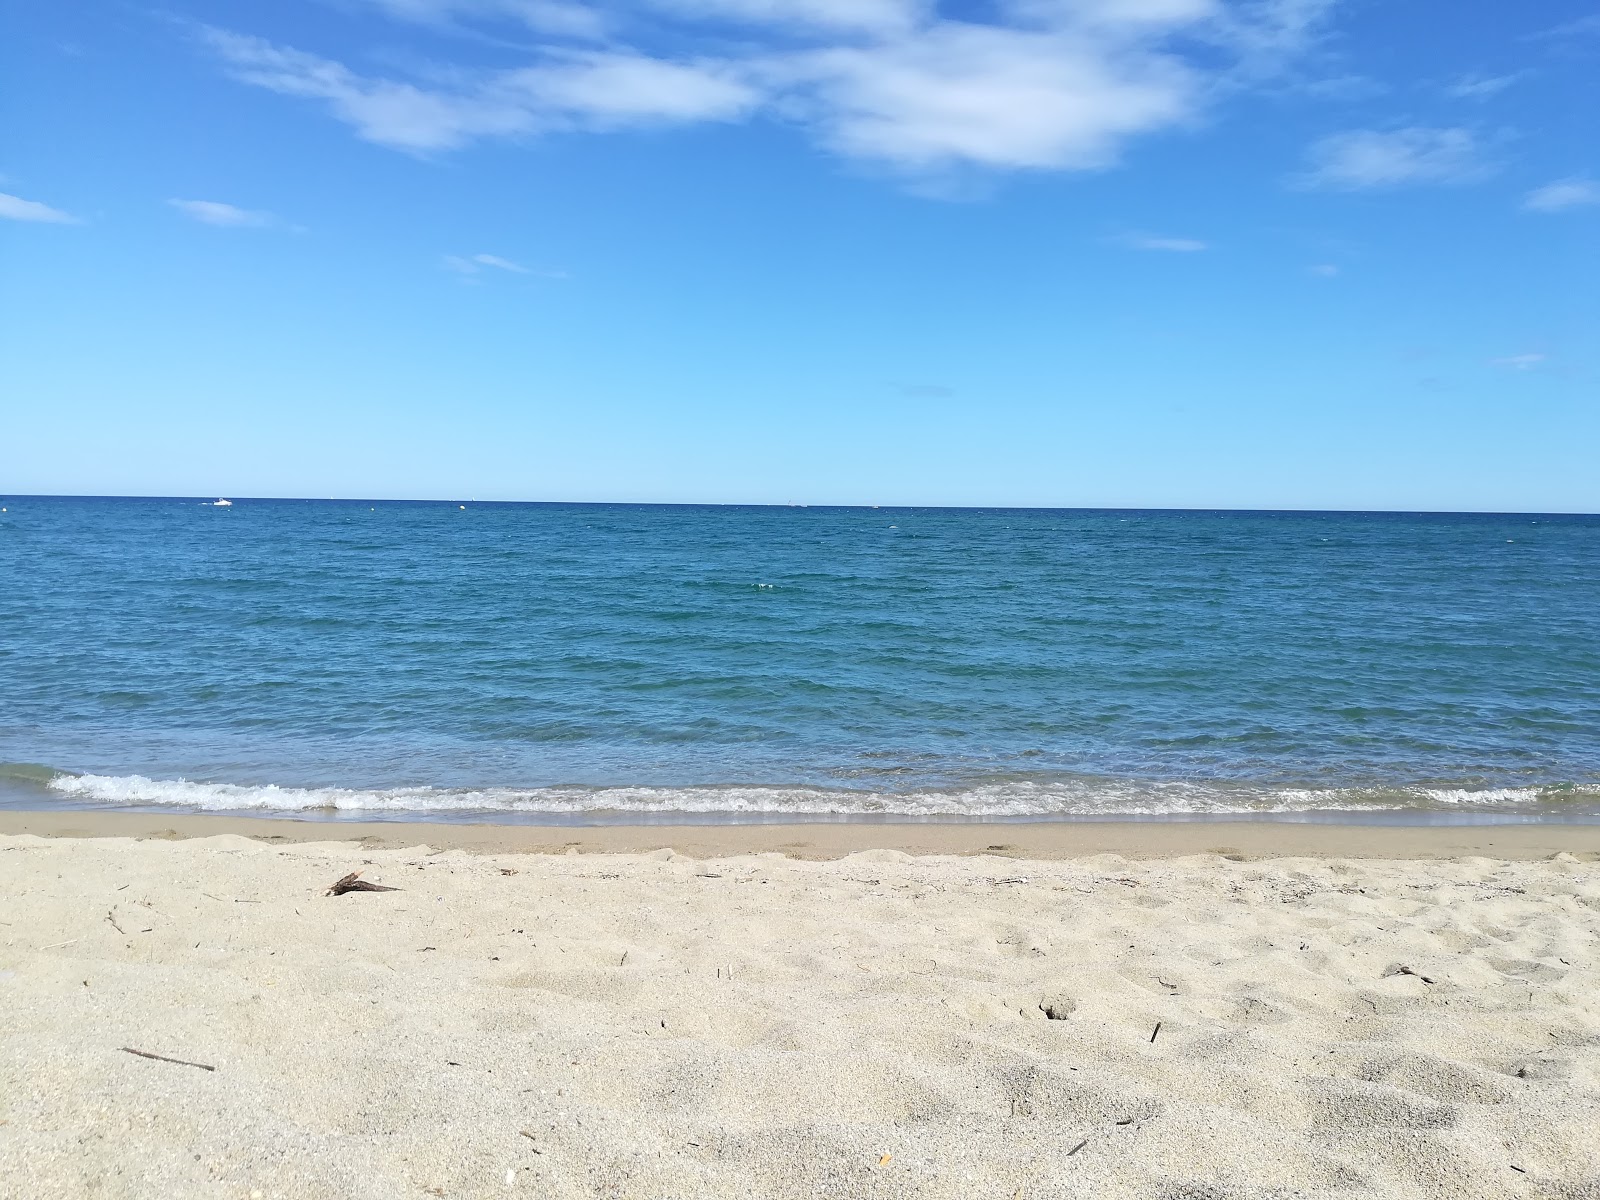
607 661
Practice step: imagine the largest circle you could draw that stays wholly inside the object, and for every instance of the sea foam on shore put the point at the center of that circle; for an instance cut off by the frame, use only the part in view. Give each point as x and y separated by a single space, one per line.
1013 798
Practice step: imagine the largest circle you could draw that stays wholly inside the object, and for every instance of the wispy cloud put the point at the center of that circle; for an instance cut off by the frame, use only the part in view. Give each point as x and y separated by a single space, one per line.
1340 88
1359 159
214 212
1323 270
1562 195
15 208
580 89
503 264
1519 362
554 17
1480 87
1043 85
1582 27
1175 245
474 264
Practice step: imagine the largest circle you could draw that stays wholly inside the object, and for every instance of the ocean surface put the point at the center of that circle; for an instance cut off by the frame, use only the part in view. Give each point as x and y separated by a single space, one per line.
623 662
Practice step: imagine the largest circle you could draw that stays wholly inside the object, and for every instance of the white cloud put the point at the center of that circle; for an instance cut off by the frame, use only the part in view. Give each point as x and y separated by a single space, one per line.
970 94
1043 84
1176 245
1519 362
1562 195
214 212
1324 270
15 208
608 89
1370 158
1480 87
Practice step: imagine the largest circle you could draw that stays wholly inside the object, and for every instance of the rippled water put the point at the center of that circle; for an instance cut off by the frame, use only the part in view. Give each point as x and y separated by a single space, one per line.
590 660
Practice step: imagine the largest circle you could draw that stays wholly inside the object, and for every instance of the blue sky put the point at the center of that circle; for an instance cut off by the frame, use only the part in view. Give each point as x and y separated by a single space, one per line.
1231 253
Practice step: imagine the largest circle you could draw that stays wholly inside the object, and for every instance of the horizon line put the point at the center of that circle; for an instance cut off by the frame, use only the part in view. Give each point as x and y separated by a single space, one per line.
1464 512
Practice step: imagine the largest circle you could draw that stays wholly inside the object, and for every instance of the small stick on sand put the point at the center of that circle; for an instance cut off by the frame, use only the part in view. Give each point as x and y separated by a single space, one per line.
1153 1033
114 924
1078 1147
1418 974
182 1062
351 883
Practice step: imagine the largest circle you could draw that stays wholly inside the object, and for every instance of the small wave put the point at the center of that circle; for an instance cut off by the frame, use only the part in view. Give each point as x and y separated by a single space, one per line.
34 773
1085 798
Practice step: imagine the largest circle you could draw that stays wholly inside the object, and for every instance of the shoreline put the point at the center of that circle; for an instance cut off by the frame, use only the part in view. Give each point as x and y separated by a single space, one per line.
1044 840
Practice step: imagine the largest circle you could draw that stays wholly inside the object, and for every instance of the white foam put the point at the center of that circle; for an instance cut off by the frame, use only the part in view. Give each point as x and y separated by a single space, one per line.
1008 799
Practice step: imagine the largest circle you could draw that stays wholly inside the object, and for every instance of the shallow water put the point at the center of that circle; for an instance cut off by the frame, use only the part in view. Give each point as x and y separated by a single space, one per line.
586 662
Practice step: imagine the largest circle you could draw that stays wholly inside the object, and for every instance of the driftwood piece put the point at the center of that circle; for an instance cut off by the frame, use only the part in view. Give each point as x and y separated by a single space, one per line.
182 1062
1417 974
351 883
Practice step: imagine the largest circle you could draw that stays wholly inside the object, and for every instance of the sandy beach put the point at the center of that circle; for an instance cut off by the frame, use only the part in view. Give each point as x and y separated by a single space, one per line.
1139 1011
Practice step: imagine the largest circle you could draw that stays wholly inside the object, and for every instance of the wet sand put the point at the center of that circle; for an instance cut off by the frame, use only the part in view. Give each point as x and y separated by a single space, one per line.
821 840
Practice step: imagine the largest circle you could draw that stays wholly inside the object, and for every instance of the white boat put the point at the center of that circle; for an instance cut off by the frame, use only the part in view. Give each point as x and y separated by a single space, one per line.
223 504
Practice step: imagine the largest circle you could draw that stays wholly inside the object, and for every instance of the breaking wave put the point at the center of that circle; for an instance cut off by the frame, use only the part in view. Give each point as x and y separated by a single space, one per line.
1002 799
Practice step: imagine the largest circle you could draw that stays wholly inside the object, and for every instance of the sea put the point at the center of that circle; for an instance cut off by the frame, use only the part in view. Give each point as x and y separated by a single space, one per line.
593 663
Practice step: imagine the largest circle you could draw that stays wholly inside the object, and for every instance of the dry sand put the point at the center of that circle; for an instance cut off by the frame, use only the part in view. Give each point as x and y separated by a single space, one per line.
658 1025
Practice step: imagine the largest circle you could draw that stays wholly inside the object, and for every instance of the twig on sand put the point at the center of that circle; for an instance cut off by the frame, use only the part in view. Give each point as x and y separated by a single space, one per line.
182 1062
352 883
1153 1033
110 916
1078 1147
1417 974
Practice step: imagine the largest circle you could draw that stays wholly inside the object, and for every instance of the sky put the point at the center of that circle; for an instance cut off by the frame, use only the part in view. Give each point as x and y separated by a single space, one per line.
1123 253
